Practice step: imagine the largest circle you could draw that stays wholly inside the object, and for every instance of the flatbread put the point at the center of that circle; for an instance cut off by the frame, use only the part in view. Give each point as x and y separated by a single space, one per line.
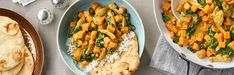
11 44
127 64
14 70
28 66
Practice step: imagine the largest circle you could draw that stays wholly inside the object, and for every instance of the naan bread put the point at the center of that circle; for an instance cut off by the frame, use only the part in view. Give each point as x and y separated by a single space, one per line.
11 44
127 64
28 64
14 70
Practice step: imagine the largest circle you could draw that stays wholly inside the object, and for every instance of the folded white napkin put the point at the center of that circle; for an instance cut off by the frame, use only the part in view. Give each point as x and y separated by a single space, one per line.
167 60
23 2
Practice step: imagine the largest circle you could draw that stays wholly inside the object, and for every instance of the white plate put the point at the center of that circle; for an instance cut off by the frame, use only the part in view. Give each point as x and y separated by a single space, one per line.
183 51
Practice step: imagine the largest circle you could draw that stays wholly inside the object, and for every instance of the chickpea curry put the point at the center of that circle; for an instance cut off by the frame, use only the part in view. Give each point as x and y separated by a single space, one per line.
207 27
97 32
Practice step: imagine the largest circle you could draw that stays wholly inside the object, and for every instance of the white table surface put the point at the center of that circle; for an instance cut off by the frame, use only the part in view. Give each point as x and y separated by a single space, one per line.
53 64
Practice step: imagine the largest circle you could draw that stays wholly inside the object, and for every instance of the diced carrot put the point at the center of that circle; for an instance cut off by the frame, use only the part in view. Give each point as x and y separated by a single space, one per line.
187 6
99 20
185 25
81 14
85 26
124 29
231 45
208 53
201 54
175 29
187 18
110 28
228 22
106 40
79 35
83 64
194 8
72 24
205 18
196 47
102 26
121 10
94 5
169 26
77 54
89 18
219 37
201 13
93 35
226 35
207 37
214 28
112 45
192 40
182 41
96 49
209 8
84 45
86 13
166 6
172 34
222 44
93 25
87 37
200 37
179 8
118 18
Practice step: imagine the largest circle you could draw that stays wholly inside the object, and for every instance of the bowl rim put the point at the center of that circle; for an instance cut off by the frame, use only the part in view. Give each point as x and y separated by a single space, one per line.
178 50
70 6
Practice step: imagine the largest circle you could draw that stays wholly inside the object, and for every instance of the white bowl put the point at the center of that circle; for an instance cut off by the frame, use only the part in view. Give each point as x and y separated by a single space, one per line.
183 51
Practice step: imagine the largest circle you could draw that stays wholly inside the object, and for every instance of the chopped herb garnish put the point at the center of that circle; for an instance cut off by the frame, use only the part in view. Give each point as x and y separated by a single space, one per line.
91 29
92 12
190 30
210 32
132 27
189 12
109 23
218 2
227 50
213 43
100 42
192 50
69 32
232 18
165 17
202 2
126 15
176 39
112 50
202 46
228 41
196 19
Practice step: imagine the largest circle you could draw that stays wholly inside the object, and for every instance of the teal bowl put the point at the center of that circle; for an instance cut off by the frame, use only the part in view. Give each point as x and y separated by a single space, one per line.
80 5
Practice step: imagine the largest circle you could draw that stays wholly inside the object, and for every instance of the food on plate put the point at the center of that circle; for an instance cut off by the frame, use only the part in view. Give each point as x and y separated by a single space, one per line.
28 66
102 36
127 63
13 52
207 27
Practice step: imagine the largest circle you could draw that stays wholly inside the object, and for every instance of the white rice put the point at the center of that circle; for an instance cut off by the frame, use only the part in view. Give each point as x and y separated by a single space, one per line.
69 44
123 47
